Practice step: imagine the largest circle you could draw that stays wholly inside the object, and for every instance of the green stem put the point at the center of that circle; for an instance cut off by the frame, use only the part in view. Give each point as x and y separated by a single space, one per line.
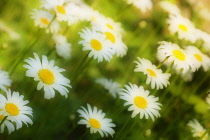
79 67
86 132
125 124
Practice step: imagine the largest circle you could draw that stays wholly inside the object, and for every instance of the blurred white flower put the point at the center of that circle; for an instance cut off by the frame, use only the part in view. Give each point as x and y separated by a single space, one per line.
113 87
96 121
63 48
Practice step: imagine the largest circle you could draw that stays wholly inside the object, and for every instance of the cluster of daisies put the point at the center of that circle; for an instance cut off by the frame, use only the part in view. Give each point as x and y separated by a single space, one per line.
13 108
103 40
187 58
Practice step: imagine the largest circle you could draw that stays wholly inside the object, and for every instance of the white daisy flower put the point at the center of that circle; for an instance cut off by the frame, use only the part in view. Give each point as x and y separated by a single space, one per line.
5 80
96 121
197 129
140 102
143 5
186 76
115 39
14 107
172 53
110 85
198 58
48 75
6 123
77 13
43 19
183 26
59 6
169 7
99 22
155 76
63 48
205 37
99 47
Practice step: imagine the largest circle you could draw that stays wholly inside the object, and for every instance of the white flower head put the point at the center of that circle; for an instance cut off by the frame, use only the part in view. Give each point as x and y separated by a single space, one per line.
140 102
155 76
110 85
183 26
63 48
142 5
205 37
5 80
197 129
171 53
96 42
114 38
198 58
169 7
99 22
96 121
14 107
43 19
48 75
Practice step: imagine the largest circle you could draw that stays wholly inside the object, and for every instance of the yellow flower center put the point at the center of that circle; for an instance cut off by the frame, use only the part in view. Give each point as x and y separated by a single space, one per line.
1 116
183 27
46 76
110 37
45 21
198 57
109 26
96 44
12 109
140 102
94 123
151 72
179 55
61 9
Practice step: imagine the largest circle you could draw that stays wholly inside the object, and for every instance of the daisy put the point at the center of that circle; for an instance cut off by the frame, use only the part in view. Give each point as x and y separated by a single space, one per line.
186 76
96 121
205 37
115 40
140 101
169 7
6 123
14 107
43 19
59 6
183 26
110 85
197 129
171 53
154 75
198 58
48 75
5 80
63 48
97 44
99 22
143 5
77 13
